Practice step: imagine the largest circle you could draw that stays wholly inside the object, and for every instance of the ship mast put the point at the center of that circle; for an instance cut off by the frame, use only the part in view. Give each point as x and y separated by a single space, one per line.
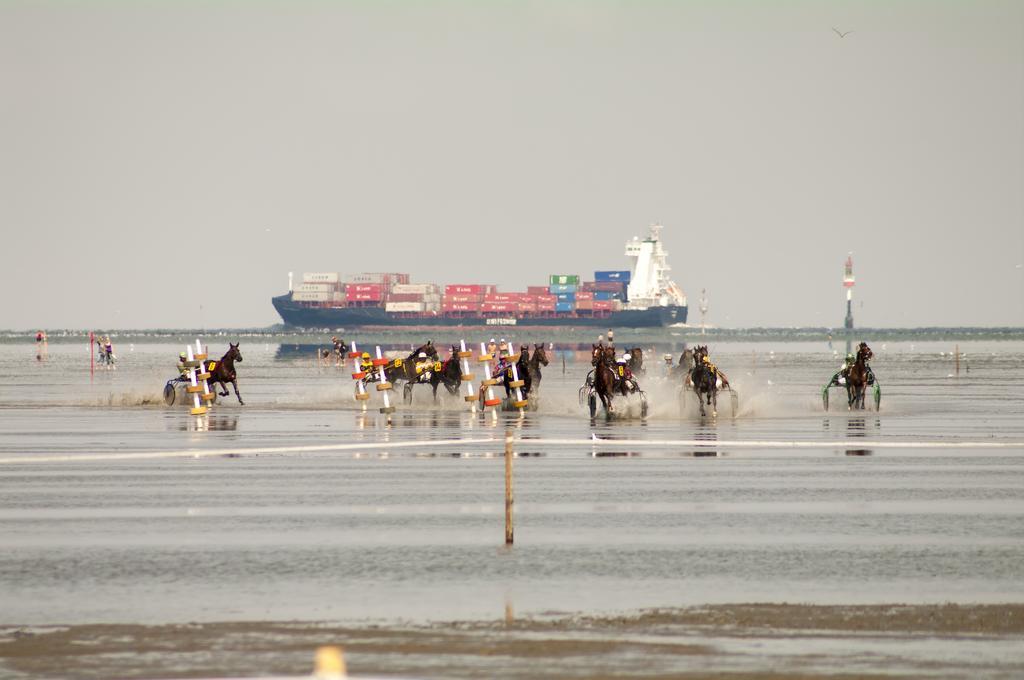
848 282
703 309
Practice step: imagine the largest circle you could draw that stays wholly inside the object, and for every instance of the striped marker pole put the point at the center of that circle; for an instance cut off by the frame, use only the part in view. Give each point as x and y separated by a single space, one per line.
467 377
516 384
383 385
193 387
488 381
359 375
203 376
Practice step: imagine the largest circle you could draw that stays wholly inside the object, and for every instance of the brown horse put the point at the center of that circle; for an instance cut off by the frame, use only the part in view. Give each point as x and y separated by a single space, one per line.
636 359
857 378
223 371
450 374
704 381
538 359
602 359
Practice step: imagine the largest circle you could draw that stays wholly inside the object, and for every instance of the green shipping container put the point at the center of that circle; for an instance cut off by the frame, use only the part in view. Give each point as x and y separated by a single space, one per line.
565 279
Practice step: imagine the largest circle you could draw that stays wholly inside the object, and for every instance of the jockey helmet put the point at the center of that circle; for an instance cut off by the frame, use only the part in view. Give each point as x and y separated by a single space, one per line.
366 355
850 357
182 355
626 357
423 355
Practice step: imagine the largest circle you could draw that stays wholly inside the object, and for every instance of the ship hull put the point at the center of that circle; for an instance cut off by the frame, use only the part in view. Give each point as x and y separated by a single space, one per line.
295 314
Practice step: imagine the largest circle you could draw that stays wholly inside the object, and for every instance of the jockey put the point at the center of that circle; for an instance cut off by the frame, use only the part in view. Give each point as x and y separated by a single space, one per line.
715 371
843 371
182 368
867 356
366 363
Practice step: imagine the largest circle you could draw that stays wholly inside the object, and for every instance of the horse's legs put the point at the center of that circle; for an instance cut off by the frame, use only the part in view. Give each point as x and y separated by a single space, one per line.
700 400
234 383
714 402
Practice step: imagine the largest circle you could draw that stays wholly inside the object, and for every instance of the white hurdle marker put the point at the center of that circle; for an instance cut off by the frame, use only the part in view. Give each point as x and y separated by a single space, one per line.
358 374
467 377
195 360
490 401
516 383
383 386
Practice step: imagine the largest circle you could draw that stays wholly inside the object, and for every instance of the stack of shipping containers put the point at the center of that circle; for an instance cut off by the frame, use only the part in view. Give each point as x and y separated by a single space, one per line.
320 289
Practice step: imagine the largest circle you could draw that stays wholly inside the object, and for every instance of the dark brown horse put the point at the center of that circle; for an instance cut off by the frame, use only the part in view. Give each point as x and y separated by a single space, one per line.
223 371
538 359
450 374
704 381
857 378
602 359
636 359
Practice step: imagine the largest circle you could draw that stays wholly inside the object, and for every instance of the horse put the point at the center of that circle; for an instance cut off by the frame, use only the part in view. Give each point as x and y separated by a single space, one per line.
704 381
450 374
857 378
538 359
223 371
602 359
398 370
636 359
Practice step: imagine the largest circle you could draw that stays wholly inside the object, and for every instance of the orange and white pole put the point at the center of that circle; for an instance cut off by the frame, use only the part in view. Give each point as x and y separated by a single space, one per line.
383 385
193 388
490 401
516 383
467 377
359 375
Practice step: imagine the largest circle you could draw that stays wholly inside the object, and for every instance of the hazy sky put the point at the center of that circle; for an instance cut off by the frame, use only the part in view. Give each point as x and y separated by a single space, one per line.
159 156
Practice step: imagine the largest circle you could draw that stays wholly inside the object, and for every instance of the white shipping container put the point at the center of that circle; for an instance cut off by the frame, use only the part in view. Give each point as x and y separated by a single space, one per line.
416 288
316 287
365 278
321 277
403 307
299 296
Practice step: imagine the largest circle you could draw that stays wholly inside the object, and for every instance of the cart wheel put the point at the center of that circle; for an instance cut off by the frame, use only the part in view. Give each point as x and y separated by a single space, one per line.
593 406
169 394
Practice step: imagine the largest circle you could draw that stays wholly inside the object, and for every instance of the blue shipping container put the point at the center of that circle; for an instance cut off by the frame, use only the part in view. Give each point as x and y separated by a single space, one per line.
557 288
612 276
566 297
607 295
565 306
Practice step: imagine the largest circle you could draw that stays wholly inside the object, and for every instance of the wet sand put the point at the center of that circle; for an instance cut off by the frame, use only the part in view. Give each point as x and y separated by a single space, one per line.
722 641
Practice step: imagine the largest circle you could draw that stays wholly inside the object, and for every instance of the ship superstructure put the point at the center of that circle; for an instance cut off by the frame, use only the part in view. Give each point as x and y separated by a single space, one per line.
650 284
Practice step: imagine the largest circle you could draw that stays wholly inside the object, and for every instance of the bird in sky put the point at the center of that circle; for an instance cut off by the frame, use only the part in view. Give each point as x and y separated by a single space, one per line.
840 33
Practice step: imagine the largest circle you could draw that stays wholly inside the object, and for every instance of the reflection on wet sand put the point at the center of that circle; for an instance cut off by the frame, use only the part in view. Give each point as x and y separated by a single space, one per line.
894 640
208 423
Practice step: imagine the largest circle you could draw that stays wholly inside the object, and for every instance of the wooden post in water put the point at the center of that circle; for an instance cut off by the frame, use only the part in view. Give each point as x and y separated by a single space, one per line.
508 486
958 360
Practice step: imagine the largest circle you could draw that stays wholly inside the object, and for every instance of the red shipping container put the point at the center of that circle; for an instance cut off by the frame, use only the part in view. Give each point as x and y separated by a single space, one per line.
584 295
364 288
610 286
585 305
537 290
469 289
587 286
504 297
528 307
545 299
602 305
462 298
460 307
353 296
498 307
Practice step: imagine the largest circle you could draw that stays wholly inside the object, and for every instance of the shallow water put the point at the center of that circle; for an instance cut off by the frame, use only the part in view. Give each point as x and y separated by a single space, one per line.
416 534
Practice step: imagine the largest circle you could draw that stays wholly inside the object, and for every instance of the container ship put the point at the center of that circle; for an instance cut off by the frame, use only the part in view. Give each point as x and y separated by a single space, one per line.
638 297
